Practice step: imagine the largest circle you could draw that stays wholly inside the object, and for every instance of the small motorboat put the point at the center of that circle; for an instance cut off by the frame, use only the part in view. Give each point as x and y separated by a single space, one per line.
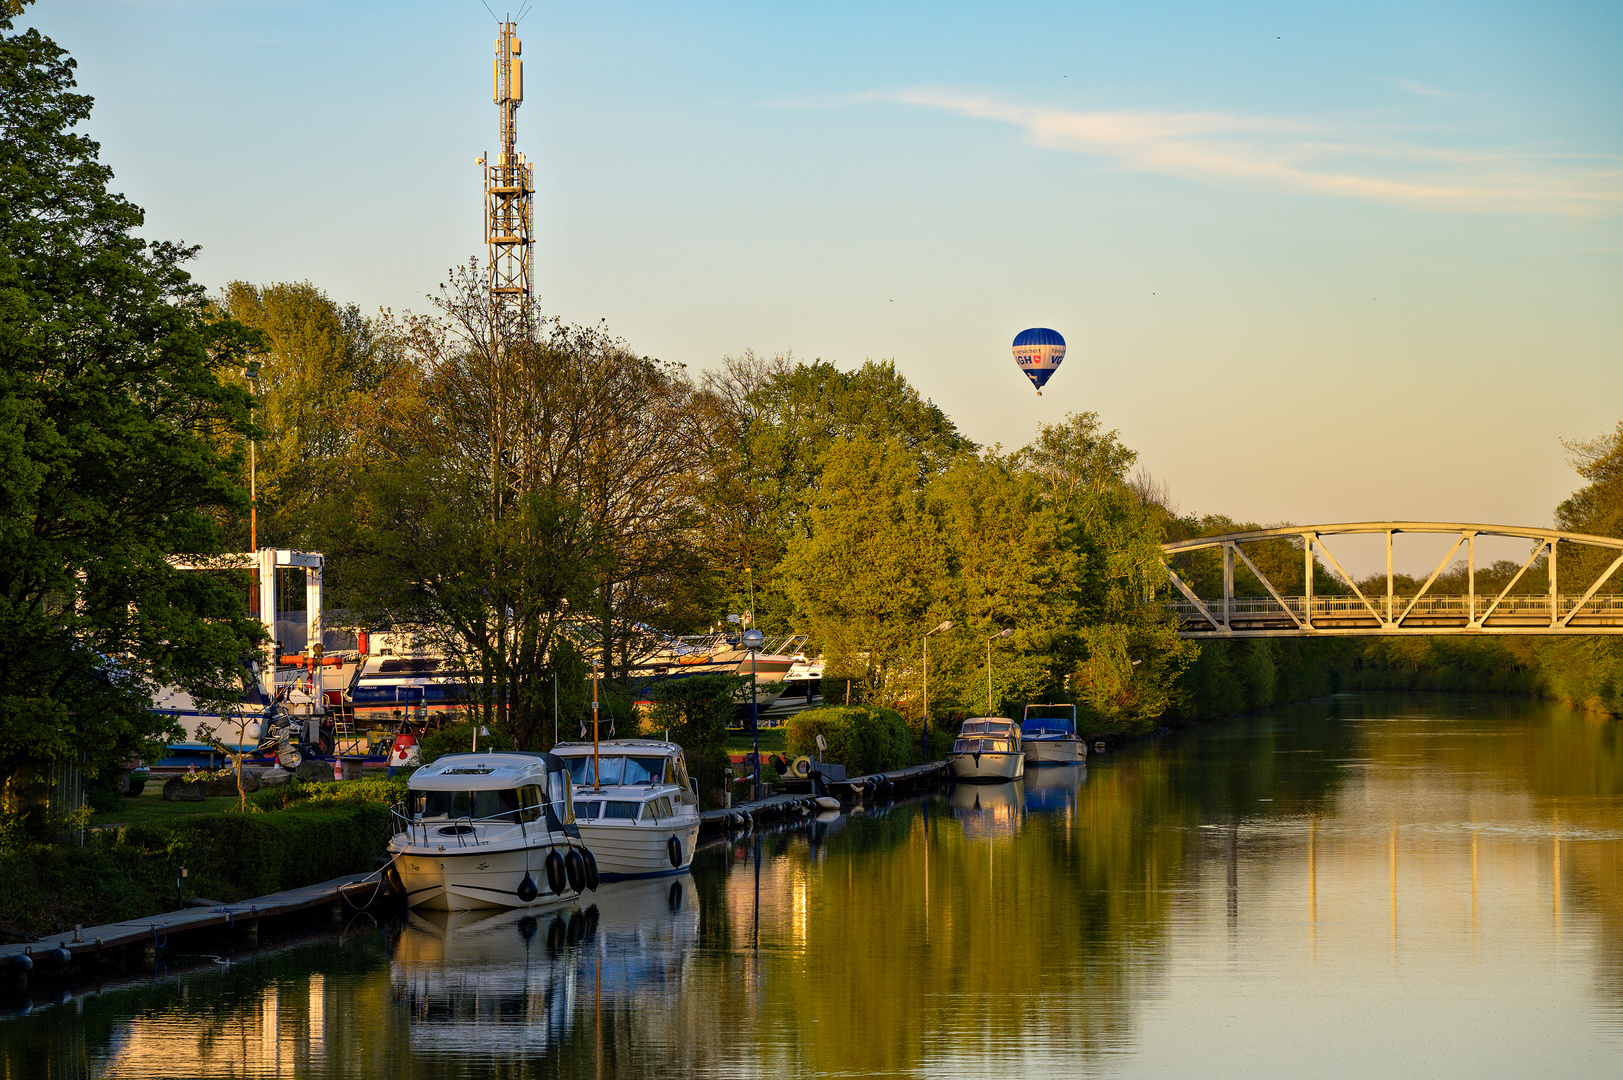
635 806
987 748
490 830
1048 733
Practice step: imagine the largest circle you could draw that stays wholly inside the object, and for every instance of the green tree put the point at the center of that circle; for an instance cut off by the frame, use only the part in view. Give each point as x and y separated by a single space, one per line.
320 374
112 415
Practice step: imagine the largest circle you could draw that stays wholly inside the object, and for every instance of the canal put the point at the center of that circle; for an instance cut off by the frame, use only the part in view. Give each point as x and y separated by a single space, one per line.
1370 885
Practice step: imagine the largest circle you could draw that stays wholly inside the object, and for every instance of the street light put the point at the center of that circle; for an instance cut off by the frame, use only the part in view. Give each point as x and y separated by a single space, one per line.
753 640
994 637
251 375
925 738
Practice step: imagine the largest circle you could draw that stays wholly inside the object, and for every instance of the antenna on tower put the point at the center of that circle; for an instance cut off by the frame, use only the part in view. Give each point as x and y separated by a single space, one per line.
508 188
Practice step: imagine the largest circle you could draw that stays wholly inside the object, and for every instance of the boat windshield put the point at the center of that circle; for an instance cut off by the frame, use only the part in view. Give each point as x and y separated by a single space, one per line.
446 805
973 727
617 769
983 746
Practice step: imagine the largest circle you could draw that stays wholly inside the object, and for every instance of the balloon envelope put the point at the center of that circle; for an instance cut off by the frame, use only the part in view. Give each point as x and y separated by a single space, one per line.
1038 352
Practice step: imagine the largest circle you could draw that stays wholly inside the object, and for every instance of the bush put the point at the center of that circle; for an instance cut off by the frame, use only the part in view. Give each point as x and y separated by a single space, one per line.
865 739
696 710
130 873
296 793
458 739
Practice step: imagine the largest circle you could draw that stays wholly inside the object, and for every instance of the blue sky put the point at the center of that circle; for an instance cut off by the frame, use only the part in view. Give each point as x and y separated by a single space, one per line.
1317 262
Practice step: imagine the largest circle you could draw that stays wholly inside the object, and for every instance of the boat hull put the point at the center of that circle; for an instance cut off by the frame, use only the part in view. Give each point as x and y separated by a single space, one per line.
628 850
991 766
472 878
1063 750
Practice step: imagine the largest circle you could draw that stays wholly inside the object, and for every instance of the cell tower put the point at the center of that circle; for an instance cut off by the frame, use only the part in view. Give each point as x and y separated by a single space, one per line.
507 191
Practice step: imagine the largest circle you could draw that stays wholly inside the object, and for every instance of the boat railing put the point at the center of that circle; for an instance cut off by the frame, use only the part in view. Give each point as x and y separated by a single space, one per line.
462 829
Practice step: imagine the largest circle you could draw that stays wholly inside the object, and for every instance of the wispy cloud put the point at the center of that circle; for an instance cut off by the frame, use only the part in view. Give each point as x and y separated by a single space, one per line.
1420 88
1302 156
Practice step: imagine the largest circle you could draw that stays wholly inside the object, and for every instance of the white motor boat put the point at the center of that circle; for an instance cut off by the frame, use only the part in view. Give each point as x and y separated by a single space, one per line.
635 806
490 830
1048 733
987 748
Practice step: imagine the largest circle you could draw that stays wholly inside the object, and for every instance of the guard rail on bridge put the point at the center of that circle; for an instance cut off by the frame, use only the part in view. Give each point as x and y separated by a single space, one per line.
1307 615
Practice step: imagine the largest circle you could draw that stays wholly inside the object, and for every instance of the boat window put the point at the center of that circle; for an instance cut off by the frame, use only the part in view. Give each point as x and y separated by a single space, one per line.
562 806
626 811
530 801
974 727
439 805
582 772
679 772
587 810
643 770
659 808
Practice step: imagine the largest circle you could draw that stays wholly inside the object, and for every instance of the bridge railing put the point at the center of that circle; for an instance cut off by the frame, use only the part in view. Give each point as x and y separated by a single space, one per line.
1427 607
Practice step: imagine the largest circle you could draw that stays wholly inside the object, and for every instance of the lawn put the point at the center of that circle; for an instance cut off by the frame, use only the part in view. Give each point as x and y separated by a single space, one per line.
773 741
148 808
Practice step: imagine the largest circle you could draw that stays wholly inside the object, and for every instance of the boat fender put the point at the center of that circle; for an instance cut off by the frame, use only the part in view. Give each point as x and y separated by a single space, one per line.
575 869
555 872
673 848
24 961
591 868
61 956
673 899
828 802
527 889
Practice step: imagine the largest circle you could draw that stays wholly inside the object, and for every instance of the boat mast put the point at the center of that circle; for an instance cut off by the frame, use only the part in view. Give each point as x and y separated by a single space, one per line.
597 763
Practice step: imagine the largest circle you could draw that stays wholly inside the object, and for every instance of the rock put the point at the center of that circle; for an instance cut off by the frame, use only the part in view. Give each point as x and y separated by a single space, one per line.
314 772
272 777
177 789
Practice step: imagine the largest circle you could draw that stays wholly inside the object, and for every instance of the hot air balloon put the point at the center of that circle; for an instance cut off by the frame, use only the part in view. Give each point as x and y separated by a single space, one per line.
1039 351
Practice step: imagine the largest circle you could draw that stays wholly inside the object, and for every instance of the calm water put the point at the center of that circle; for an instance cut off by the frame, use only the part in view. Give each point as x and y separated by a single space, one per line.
1367 886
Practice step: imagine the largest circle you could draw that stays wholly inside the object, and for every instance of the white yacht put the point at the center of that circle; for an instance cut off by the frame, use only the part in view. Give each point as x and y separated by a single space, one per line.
635 806
490 830
1049 735
987 748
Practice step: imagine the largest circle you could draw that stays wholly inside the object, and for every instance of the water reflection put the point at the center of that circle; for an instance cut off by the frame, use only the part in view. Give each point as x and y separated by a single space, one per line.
1353 886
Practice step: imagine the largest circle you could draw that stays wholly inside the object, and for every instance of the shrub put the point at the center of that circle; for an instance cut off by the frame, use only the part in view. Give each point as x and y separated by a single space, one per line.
864 739
696 711
458 739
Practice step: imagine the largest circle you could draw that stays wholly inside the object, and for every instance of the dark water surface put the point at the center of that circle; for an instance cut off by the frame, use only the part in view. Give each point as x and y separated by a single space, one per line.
1371 886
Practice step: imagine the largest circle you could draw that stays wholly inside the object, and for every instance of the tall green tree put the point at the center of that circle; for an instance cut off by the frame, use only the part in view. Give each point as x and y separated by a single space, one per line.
113 412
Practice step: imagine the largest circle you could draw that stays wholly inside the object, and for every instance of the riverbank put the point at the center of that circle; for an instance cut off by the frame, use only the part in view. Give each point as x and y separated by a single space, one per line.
293 836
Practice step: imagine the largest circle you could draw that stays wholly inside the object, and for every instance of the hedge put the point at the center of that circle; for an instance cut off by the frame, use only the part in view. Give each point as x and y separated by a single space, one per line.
130 872
865 739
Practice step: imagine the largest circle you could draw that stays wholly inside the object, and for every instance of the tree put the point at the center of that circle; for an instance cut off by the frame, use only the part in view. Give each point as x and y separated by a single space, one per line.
322 367
113 413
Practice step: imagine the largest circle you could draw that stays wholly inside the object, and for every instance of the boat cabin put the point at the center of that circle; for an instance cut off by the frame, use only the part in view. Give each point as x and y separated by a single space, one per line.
626 763
987 735
463 791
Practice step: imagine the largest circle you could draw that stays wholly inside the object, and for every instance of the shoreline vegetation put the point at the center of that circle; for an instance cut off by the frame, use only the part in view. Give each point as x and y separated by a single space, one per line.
531 497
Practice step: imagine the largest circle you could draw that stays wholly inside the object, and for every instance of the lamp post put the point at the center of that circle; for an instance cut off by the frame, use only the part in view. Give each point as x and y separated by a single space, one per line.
251 374
753 640
994 637
925 738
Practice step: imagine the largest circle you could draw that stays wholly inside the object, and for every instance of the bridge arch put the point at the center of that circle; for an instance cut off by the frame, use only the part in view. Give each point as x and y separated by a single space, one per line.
1585 610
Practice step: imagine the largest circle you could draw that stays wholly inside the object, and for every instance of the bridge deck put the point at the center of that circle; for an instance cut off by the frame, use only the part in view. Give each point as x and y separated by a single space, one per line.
1330 615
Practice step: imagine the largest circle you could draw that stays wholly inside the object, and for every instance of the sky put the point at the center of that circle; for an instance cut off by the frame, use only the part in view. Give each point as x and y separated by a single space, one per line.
1316 263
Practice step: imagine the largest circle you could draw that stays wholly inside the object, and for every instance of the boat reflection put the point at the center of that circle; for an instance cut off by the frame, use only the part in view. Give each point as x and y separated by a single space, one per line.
496 984
989 810
1054 789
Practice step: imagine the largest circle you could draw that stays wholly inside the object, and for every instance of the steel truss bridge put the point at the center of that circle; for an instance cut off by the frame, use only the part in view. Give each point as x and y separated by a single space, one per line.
1585 610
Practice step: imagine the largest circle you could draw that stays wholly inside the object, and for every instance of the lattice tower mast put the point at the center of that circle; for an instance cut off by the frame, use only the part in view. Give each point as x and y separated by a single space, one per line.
507 192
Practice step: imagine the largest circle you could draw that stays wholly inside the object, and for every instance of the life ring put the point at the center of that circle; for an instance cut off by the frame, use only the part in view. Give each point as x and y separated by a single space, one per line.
801 766
673 848
575 869
591 868
555 872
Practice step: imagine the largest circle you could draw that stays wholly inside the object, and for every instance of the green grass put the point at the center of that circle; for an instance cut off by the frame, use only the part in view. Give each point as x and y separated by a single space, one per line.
149 808
773 741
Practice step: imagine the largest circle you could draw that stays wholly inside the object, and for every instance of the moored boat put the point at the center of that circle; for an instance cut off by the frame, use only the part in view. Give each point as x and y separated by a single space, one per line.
635 805
987 748
487 830
1048 733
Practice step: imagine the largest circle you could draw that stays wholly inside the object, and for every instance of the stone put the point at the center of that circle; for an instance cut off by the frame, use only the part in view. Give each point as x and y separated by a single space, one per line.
313 772
178 789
